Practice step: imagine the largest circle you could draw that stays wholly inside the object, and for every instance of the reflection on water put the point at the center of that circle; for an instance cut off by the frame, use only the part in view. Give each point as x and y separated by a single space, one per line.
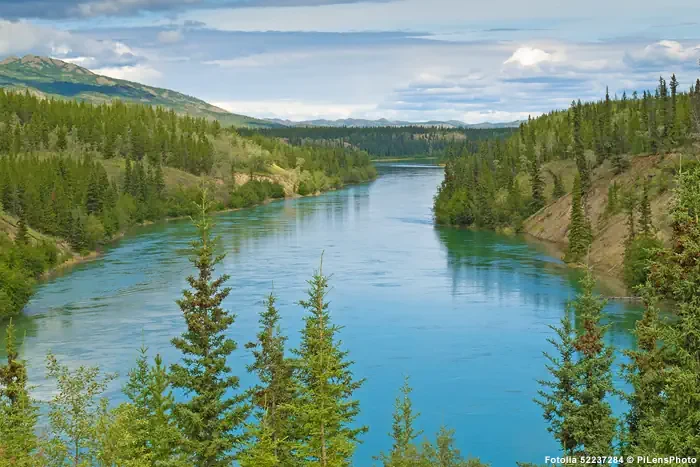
465 313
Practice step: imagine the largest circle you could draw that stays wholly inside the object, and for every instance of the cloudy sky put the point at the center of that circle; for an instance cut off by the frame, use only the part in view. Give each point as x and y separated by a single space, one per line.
496 60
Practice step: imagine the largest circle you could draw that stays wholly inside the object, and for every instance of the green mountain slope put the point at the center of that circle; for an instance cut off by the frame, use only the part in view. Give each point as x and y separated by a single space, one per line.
50 77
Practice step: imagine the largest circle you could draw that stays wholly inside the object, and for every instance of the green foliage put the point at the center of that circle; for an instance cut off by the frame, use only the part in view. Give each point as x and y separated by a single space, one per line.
254 192
273 431
18 413
404 452
637 260
385 142
443 453
209 417
75 414
580 236
325 408
576 401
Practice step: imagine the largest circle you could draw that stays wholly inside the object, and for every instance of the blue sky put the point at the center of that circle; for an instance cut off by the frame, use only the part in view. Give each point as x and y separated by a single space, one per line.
413 60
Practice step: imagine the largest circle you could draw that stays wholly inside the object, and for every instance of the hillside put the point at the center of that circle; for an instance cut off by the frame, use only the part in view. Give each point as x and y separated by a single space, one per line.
50 77
610 230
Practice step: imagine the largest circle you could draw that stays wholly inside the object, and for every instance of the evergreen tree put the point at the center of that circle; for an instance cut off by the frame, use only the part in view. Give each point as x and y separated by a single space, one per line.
579 149
273 396
593 421
209 419
326 408
404 452
444 454
558 397
580 236
558 190
61 141
22 235
18 414
645 223
537 182
154 437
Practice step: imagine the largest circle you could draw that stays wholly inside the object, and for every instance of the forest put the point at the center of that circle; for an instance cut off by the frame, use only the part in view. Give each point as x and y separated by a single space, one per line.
73 176
388 142
503 182
302 410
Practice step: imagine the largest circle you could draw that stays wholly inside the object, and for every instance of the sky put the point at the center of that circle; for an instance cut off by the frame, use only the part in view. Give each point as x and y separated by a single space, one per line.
415 60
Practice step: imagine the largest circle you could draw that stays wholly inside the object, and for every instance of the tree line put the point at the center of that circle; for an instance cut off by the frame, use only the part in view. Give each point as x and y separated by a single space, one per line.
502 182
302 411
386 142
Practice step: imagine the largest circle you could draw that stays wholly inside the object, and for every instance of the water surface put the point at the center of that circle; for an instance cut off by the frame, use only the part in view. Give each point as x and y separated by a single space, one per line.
464 313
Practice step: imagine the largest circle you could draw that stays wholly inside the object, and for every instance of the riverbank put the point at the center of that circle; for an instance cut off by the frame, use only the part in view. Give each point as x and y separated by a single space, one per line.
76 258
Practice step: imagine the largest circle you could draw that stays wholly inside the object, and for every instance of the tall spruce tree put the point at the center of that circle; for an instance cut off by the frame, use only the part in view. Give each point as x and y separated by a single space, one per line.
593 420
210 417
18 414
580 235
558 396
326 408
675 275
579 148
274 433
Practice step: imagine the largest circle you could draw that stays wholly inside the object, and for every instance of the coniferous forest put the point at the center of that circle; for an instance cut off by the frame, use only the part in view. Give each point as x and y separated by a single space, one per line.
74 176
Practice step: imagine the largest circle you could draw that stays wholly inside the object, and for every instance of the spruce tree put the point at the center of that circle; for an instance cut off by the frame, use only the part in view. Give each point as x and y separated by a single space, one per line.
326 409
593 421
404 452
210 418
645 223
558 397
580 236
22 235
444 453
645 375
579 150
273 396
18 414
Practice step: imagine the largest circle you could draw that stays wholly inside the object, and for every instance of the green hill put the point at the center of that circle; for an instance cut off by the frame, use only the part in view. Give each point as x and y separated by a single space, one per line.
49 77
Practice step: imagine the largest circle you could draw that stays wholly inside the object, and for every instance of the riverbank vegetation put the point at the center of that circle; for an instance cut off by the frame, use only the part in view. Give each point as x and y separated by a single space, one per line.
620 150
78 175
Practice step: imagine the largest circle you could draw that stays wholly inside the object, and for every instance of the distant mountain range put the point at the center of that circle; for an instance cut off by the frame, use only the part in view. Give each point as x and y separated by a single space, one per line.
51 77
355 122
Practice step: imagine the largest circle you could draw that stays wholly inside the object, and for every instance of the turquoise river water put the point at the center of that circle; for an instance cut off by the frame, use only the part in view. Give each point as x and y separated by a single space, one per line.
464 313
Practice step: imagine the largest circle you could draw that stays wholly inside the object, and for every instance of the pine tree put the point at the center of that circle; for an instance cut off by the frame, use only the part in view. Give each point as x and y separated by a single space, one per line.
645 223
558 397
579 150
209 418
558 190
537 182
18 414
61 142
326 407
675 275
593 421
22 235
404 452
645 374
155 437
273 396
580 236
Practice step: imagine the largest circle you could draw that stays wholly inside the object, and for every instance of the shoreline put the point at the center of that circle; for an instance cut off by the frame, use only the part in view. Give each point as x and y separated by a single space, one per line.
77 259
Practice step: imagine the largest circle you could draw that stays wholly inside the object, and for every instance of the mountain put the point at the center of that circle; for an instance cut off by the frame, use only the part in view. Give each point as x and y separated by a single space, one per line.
51 77
355 122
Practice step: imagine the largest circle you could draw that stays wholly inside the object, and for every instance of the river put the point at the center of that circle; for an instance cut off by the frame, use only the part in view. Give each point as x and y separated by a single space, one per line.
465 314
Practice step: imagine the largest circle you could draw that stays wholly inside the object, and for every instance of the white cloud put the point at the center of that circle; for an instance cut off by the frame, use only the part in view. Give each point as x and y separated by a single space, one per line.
261 60
144 74
662 53
170 37
529 57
